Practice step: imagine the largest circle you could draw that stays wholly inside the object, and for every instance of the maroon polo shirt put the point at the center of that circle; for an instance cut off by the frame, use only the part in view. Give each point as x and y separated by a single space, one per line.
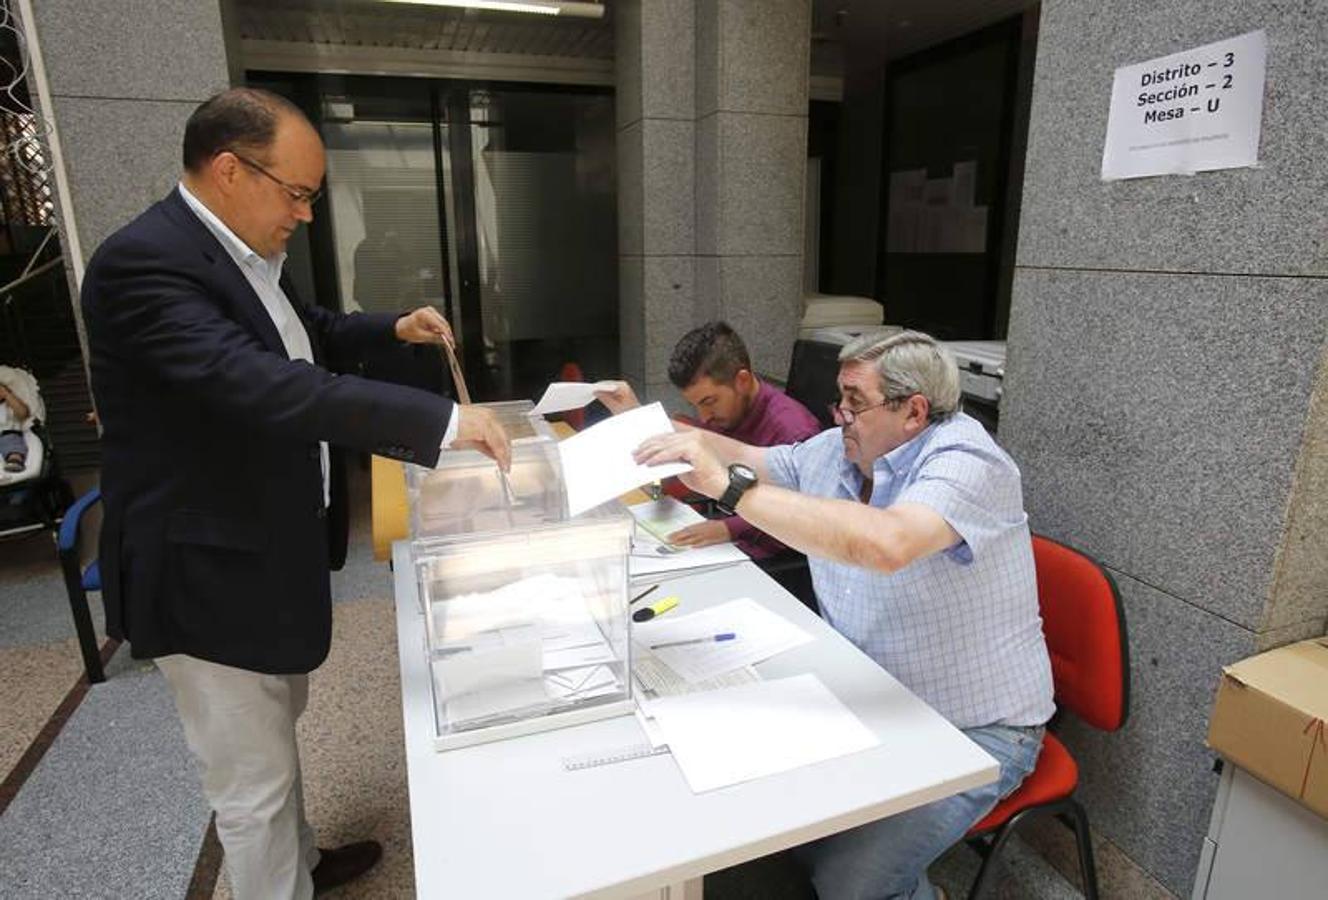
774 419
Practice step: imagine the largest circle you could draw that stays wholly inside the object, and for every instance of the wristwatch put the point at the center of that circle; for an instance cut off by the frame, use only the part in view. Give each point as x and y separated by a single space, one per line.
741 479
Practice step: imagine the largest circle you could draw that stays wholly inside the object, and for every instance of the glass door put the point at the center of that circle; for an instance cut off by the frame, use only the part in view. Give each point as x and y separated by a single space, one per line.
496 203
542 287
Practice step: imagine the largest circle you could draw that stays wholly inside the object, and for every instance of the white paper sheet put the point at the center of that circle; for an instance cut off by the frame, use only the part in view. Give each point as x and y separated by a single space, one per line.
1194 111
760 634
597 463
565 395
740 733
654 679
649 557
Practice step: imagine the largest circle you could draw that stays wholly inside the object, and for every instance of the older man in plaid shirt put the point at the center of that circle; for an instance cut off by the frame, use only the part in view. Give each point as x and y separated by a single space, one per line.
920 553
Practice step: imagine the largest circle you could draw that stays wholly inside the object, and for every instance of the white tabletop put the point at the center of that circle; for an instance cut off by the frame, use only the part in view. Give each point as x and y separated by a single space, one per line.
506 820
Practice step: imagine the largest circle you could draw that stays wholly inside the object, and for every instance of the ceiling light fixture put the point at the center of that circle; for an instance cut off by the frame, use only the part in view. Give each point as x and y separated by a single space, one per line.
541 7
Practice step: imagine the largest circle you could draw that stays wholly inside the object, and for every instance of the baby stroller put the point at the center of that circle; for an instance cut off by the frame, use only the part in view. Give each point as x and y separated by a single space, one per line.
35 498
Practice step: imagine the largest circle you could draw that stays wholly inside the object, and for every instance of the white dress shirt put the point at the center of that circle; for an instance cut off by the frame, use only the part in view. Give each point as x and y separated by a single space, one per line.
264 276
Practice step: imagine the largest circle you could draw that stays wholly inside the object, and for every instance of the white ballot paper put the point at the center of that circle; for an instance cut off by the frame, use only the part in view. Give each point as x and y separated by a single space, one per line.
758 634
597 463
565 395
736 734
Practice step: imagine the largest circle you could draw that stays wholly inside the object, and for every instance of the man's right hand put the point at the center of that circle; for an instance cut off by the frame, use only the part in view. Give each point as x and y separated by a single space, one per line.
478 429
619 398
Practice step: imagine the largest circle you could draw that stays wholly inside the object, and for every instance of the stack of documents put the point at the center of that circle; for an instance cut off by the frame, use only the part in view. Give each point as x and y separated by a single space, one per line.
654 679
724 725
652 554
661 518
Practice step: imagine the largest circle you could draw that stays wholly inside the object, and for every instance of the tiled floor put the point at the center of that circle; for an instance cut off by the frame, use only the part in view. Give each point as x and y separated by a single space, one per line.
114 808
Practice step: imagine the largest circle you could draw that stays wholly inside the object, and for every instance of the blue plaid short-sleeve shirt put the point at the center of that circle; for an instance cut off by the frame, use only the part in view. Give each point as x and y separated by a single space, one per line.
959 628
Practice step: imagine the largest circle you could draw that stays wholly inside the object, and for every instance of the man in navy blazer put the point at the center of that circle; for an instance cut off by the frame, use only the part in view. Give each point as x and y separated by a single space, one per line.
218 403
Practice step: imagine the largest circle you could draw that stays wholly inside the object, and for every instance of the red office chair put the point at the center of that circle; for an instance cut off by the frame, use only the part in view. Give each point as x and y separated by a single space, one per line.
572 372
1084 626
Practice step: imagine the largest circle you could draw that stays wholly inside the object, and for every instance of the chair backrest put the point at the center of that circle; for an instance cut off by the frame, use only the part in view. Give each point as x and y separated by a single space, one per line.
1084 625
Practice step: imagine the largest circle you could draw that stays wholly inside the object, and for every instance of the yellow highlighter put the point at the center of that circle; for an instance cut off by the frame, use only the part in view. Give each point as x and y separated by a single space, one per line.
658 608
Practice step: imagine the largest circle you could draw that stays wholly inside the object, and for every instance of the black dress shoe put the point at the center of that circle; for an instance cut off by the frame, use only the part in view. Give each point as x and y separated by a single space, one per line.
342 864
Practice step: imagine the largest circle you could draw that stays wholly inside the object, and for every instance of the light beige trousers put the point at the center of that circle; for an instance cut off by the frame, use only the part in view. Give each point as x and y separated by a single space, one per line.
241 727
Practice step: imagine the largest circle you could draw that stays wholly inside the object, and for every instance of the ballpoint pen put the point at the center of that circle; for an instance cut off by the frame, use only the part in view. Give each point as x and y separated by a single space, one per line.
714 638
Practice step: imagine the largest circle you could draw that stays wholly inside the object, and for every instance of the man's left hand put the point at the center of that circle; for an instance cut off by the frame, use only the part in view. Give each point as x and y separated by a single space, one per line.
425 325
702 534
708 475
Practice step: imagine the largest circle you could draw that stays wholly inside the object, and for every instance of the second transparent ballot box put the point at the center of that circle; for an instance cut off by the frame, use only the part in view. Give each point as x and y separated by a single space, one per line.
527 629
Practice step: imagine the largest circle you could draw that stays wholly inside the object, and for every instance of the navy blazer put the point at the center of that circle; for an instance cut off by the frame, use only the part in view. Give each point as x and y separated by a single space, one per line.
214 541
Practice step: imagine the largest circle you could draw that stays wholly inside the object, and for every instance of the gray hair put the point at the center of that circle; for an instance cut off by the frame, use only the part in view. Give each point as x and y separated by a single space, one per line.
908 363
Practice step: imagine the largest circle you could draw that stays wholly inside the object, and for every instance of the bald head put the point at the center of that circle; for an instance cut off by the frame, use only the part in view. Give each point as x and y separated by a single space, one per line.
243 120
256 162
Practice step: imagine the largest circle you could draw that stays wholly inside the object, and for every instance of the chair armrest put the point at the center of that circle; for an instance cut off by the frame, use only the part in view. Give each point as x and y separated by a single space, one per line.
68 537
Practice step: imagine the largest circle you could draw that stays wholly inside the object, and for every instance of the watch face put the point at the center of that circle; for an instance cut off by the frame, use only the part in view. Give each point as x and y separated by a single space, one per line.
743 471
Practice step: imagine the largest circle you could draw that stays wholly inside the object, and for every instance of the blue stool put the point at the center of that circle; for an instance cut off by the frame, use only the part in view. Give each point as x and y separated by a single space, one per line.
78 583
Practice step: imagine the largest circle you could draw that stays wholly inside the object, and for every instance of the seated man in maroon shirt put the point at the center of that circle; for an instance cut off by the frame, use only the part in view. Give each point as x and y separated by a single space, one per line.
711 367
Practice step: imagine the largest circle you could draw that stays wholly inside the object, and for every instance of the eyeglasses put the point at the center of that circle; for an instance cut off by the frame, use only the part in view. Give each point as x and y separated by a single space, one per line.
844 415
295 192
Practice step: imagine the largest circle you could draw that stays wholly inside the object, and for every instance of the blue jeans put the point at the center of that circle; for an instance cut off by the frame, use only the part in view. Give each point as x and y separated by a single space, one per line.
12 442
888 858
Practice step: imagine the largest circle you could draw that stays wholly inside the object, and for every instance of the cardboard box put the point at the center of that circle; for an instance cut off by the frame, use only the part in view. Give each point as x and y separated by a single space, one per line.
1270 720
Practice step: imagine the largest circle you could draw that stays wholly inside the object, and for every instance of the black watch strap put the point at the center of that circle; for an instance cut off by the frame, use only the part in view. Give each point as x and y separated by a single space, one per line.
739 483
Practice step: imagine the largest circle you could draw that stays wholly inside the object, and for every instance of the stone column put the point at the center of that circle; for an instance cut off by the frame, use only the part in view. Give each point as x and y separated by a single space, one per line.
123 78
751 151
656 174
1167 399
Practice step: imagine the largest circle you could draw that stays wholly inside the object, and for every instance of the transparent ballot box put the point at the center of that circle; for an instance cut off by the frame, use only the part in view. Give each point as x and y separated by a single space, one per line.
467 494
527 629
521 427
